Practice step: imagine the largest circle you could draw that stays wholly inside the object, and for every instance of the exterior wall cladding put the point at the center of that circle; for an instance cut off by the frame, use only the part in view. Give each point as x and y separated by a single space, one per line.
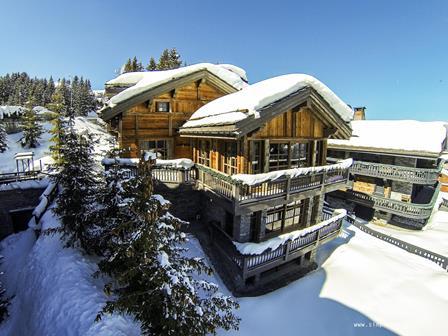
412 190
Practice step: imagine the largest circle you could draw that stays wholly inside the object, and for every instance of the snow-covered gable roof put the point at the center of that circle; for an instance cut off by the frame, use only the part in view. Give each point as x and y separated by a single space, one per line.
396 136
251 101
145 81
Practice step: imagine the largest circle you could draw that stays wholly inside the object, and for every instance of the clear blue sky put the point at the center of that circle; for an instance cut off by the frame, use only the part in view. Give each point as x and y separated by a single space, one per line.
391 56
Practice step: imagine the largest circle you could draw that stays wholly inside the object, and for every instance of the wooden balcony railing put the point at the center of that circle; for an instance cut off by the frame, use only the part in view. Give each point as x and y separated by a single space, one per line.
408 210
248 265
174 175
282 187
398 173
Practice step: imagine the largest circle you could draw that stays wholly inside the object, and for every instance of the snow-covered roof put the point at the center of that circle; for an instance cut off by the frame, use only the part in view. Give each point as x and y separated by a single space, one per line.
396 135
9 110
248 102
141 82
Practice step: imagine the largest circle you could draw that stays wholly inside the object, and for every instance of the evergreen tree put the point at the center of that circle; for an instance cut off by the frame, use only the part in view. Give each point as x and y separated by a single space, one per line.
58 107
152 65
127 66
164 61
32 130
153 279
78 180
175 61
3 138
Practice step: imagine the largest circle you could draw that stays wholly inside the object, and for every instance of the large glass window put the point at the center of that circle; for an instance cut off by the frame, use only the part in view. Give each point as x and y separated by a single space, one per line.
159 147
230 158
204 152
278 156
274 219
299 155
293 212
284 218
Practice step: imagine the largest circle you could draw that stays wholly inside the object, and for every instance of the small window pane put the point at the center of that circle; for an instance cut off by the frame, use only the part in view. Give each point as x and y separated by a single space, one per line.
162 106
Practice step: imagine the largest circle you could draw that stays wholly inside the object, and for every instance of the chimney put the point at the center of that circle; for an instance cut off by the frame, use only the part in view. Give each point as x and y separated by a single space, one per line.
360 113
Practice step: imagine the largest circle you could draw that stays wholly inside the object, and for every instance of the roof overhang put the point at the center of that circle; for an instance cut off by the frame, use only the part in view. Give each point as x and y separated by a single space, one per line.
305 97
386 151
203 75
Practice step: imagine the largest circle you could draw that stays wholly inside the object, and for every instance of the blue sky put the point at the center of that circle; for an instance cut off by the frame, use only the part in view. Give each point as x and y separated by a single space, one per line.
390 56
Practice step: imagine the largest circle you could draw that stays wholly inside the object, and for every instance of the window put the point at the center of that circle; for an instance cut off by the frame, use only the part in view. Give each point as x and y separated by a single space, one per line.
230 158
274 219
159 147
204 152
162 106
257 157
299 155
278 156
284 217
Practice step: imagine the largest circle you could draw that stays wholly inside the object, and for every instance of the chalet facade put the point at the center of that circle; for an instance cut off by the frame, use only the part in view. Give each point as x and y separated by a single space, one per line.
259 163
396 169
146 109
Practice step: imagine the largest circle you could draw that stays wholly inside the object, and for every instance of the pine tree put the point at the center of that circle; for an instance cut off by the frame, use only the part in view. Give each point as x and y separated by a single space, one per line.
78 179
175 61
152 65
58 107
164 60
32 130
3 138
127 66
153 279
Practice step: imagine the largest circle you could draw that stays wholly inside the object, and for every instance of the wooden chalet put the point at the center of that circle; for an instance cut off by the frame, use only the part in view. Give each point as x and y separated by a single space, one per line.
146 109
258 163
394 177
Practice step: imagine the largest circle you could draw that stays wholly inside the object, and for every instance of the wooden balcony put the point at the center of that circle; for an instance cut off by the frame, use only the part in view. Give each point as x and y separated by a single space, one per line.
284 188
247 265
398 173
404 209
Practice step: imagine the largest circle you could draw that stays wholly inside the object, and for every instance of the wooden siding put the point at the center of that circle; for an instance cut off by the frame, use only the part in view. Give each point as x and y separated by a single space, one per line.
143 123
292 124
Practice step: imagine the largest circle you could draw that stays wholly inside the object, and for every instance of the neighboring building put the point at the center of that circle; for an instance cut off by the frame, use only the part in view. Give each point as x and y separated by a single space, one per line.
396 168
259 167
146 109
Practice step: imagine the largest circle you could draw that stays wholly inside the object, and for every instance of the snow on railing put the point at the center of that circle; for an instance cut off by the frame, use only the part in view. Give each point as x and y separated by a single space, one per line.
45 200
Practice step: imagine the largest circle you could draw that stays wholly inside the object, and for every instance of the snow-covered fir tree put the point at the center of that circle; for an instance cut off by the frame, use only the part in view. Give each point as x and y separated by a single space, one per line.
78 180
175 61
58 107
32 130
3 138
164 60
153 279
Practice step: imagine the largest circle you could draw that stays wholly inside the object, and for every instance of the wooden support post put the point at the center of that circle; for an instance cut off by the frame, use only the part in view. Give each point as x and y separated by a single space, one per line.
287 248
266 156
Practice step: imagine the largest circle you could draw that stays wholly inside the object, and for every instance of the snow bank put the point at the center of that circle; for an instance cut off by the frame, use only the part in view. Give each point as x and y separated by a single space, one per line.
11 110
404 135
144 81
252 98
255 179
274 243
55 293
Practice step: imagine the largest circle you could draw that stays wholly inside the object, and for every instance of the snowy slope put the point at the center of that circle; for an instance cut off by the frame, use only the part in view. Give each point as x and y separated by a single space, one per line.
55 293
239 105
96 128
407 135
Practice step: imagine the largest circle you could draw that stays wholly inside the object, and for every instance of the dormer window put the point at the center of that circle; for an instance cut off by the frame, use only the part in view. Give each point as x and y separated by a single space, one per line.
162 106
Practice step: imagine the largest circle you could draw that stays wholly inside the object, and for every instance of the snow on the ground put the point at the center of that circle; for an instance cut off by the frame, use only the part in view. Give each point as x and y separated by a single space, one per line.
403 135
433 237
55 293
95 127
251 99
362 280
140 82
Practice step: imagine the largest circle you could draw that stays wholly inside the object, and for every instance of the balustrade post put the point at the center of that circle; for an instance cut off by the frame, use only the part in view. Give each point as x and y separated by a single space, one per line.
287 249
288 187
245 266
236 191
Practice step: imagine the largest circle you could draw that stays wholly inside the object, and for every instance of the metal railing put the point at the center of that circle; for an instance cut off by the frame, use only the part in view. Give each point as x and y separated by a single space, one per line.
248 265
409 210
439 259
399 173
